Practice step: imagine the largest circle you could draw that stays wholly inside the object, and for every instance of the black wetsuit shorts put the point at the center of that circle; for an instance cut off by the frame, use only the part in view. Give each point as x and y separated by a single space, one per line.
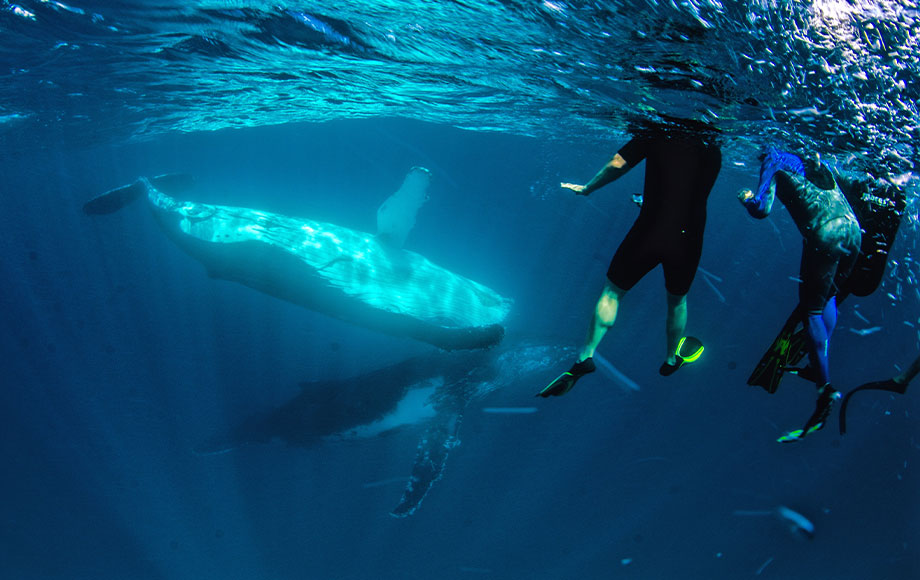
679 174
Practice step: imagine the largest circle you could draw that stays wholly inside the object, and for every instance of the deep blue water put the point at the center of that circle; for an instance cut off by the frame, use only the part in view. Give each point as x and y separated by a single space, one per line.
121 356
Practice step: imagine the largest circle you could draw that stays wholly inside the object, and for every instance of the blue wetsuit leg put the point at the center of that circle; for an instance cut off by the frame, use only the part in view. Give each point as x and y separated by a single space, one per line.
830 316
819 310
823 266
818 338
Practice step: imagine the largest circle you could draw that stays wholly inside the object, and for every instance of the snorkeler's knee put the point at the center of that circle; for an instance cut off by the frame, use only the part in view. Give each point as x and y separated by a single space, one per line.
606 311
612 291
675 300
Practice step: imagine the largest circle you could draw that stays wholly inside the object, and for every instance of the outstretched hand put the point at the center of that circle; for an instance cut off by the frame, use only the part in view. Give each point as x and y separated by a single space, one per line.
745 195
579 189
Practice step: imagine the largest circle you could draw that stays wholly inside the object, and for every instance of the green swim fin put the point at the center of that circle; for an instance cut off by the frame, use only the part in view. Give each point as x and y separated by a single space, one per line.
787 350
560 385
827 396
689 349
797 435
564 382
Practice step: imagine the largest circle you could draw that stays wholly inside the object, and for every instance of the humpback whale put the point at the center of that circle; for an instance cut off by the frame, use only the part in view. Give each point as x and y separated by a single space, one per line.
350 275
430 391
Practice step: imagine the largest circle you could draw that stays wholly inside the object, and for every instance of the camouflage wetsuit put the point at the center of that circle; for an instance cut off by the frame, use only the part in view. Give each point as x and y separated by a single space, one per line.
831 239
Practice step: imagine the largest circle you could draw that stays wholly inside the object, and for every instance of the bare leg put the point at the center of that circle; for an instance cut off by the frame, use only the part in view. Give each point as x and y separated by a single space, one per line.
605 313
676 324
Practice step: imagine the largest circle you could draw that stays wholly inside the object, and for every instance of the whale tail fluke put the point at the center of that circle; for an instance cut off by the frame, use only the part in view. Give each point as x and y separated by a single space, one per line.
115 199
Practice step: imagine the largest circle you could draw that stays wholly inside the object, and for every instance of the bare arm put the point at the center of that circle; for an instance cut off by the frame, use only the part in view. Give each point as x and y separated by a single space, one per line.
613 170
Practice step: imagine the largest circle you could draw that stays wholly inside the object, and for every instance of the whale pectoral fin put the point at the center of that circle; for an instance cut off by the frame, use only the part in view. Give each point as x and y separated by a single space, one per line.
115 199
431 456
396 216
387 239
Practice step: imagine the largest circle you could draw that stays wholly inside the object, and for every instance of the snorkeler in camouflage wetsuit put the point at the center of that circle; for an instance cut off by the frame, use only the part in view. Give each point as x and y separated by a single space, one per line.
832 240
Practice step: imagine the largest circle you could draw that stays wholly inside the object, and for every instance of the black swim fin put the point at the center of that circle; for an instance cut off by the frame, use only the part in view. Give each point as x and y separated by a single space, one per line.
787 350
564 382
889 385
689 350
560 385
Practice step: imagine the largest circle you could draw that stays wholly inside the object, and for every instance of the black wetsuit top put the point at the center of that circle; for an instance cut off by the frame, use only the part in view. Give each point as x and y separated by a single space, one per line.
680 170
878 206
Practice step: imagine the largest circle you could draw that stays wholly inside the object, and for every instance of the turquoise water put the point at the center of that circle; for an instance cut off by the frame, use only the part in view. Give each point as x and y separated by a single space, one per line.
837 74
126 368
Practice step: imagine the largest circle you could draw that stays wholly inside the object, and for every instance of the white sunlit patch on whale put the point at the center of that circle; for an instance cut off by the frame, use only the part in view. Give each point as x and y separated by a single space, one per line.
416 407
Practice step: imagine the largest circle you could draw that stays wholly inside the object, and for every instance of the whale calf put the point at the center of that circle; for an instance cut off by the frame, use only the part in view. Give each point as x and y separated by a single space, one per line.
347 274
429 392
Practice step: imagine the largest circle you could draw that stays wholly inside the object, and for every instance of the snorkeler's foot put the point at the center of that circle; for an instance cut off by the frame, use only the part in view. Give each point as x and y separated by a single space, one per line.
564 382
827 396
667 369
806 372
689 350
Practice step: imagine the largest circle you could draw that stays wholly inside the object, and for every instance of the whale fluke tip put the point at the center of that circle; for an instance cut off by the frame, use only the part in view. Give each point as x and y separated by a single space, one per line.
115 199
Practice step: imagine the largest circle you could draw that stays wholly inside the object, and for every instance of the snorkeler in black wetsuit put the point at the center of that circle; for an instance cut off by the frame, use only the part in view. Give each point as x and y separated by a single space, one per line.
832 242
681 166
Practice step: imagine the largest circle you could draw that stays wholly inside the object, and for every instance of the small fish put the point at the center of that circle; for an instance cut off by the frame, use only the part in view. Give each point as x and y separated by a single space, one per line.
807 112
616 374
510 410
712 286
866 331
798 524
709 274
